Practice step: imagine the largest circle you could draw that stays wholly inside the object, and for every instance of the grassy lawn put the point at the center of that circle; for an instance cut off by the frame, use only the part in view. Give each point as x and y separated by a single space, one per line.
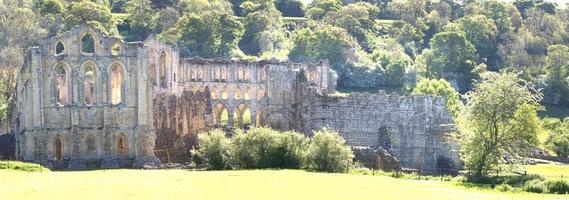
549 170
260 184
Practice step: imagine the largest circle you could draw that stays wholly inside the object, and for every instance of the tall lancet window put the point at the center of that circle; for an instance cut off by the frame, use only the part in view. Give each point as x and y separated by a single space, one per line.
61 84
116 84
89 84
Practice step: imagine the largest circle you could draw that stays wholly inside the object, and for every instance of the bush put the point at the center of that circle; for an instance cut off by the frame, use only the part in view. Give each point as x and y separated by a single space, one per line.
251 149
213 150
535 186
328 152
22 166
268 148
557 186
289 150
504 188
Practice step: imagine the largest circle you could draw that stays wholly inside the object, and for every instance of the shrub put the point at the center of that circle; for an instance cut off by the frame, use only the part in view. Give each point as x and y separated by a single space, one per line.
535 186
328 152
504 188
289 150
22 166
557 186
251 149
213 150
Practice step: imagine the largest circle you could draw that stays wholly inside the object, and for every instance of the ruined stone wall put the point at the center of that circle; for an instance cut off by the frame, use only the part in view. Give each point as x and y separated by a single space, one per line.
412 128
178 120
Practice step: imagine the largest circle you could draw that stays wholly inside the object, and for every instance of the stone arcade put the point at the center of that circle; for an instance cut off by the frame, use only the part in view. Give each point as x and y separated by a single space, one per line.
86 100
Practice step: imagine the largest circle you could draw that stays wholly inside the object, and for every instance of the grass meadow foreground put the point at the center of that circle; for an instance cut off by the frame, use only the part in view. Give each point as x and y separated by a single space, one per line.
251 184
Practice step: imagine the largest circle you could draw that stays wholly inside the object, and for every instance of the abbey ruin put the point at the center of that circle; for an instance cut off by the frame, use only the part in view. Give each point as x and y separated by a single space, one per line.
86 100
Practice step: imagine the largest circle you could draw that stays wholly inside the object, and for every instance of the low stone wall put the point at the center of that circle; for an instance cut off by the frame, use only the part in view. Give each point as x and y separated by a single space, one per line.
412 128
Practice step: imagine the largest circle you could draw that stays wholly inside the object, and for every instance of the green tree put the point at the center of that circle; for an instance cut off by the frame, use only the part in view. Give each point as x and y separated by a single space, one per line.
500 119
358 19
441 87
87 12
450 56
559 143
264 30
290 8
557 64
207 29
140 20
479 31
318 9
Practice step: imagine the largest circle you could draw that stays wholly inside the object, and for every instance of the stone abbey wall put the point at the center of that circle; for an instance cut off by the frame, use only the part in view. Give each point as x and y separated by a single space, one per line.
412 128
86 100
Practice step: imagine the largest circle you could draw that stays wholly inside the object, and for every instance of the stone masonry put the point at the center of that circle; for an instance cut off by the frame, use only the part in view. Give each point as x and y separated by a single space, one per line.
86 100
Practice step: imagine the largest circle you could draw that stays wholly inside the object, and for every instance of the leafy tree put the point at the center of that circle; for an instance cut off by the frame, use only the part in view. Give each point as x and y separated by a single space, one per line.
557 67
498 11
479 31
264 30
557 64
206 30
87 12
450 56
500 119
442 88
50 7
325 42
559 143
358 19
318 9
290 8
140 20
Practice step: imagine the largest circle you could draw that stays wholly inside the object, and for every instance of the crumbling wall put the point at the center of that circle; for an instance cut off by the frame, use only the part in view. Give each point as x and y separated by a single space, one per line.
412 128
178 119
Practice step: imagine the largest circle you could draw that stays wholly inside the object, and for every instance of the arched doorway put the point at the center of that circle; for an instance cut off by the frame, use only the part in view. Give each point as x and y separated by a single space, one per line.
58 148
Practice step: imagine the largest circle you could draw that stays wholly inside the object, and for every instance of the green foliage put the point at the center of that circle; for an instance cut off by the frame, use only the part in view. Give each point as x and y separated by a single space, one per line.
559 143
252 149
327 42
451 56
535 186
289 150
500 118
213 151
50 7
442 88
328 152
206 30
140 19
290 8
557 65
268 148
264 30
87 12
479 31
22 166
559 186
319 8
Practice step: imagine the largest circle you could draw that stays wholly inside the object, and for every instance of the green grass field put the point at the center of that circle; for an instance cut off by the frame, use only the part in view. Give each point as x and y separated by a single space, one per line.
260 184
549 170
